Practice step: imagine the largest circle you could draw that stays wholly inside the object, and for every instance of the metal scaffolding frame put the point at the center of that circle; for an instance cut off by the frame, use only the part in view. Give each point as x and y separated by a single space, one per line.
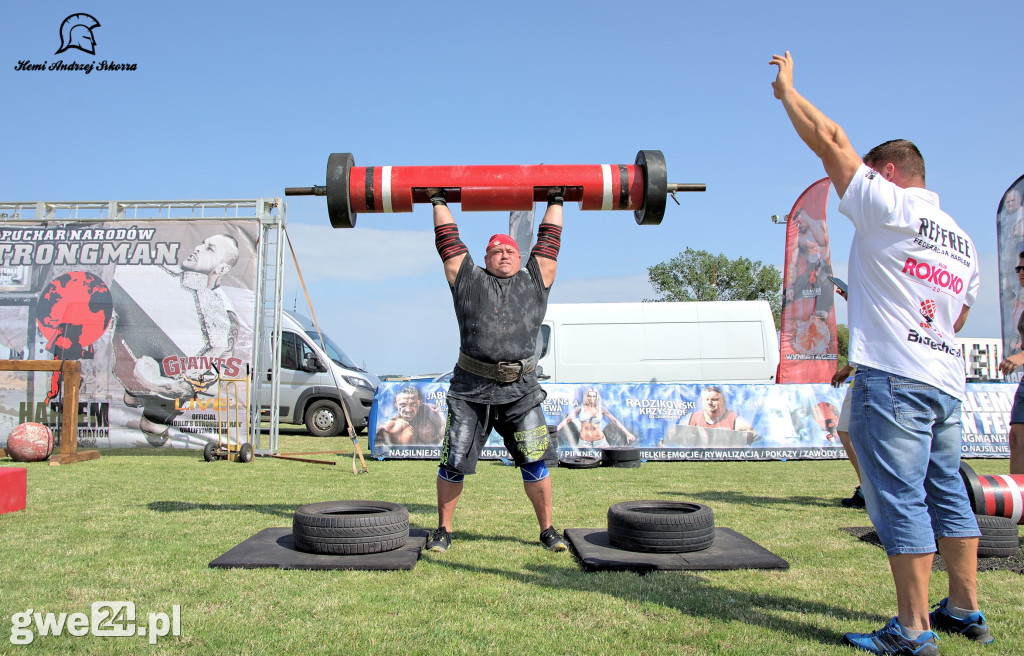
269 213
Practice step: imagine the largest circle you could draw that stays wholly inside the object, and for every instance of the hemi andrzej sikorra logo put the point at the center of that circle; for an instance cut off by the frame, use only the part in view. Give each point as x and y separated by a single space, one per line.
77 32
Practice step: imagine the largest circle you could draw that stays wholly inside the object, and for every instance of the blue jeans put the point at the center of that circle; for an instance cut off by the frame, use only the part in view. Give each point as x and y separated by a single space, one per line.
907 435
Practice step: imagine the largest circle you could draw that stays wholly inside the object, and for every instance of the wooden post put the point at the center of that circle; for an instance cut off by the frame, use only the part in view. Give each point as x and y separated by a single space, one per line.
72 370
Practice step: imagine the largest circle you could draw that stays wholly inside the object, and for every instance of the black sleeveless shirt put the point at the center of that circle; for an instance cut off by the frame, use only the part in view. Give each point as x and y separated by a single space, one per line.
498 321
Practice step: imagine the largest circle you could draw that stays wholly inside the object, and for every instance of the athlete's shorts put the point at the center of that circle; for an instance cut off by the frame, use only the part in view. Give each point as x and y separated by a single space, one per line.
1017 409
521 424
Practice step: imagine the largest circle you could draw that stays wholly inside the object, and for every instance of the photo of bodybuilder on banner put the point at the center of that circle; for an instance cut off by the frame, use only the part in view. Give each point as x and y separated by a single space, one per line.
155 311
181 328
412 422
1010 230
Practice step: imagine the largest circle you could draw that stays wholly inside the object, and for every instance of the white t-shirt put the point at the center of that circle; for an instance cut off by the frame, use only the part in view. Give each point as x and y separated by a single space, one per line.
912 269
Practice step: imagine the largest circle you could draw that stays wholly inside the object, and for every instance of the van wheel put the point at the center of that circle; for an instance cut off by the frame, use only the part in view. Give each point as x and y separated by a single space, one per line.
324 418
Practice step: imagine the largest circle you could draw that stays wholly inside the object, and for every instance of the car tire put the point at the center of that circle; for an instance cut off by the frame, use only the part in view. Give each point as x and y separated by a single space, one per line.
324 418
998 537
245 453
210 451
661 526
350 527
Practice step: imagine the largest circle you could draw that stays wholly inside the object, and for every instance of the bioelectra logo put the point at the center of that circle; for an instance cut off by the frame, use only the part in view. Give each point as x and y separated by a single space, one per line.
936 274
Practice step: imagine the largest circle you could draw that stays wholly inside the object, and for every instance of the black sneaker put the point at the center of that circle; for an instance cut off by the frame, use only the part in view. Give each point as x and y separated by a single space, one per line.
440 540
552 541
855 501
973 626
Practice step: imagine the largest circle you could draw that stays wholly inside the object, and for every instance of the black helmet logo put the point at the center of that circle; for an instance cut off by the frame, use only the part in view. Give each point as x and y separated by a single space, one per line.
76 32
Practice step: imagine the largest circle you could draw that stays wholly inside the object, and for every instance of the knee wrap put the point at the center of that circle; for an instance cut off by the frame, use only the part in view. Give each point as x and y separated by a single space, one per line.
451 477
534 471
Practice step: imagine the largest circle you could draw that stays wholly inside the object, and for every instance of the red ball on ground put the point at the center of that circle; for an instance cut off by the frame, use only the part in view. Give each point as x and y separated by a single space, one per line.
30 442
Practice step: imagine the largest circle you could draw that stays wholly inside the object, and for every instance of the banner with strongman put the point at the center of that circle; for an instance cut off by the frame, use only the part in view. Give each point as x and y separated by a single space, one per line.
156 311
808 344
674 421
1010 237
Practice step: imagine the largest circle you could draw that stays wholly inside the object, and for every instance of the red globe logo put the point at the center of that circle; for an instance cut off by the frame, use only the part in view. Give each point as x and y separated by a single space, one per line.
73 312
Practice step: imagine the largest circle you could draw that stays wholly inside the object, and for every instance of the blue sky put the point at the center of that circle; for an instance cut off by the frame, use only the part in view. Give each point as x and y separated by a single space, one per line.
239 100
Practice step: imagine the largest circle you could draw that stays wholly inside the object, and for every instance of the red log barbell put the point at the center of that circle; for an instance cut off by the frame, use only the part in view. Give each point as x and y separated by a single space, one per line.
641 187
1001 495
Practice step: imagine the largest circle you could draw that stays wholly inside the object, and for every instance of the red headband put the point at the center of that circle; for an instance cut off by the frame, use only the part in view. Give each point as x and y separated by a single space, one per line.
500 240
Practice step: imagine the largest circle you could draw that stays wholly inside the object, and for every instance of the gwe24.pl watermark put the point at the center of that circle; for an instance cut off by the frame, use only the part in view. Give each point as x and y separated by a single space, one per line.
106 619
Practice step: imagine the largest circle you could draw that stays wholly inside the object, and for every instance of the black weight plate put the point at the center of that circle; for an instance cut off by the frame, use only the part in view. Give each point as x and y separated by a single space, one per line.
655 187
339 205
579 462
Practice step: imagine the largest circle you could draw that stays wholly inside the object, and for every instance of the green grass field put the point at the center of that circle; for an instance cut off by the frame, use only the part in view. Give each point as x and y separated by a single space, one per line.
142 527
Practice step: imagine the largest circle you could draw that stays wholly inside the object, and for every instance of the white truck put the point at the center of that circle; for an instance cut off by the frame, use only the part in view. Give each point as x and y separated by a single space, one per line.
659 342
308 393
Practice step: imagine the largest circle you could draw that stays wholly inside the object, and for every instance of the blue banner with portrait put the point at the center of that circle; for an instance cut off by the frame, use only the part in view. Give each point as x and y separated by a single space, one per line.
674 421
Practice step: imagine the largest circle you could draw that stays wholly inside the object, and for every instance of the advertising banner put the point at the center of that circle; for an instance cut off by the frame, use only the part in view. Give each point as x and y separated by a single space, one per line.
1010 237
808 345
156 311
675 421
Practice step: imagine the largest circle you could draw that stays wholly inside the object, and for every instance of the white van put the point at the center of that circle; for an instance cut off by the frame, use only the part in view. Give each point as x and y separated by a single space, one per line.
307 392
659 342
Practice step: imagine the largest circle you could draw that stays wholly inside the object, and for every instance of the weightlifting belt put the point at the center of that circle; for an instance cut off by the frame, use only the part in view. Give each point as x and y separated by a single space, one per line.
503 372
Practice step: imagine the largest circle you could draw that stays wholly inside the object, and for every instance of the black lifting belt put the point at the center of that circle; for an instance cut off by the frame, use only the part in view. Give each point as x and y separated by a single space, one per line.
503 372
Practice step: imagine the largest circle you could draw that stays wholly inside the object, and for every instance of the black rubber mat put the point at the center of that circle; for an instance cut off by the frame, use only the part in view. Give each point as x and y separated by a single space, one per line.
730 550
273 547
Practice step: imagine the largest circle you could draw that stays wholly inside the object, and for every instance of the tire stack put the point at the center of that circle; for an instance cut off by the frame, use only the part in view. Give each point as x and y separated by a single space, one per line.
661 526
625 457
350 527
998 537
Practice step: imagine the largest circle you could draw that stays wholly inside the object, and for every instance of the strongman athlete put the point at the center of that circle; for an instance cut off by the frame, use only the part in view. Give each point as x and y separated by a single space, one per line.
499 309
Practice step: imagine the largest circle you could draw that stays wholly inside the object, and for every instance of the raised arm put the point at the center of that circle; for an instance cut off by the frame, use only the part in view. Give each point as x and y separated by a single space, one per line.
446 236
821 134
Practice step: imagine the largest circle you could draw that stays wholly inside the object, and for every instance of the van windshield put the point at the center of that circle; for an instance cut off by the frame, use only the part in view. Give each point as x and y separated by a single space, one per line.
333 352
